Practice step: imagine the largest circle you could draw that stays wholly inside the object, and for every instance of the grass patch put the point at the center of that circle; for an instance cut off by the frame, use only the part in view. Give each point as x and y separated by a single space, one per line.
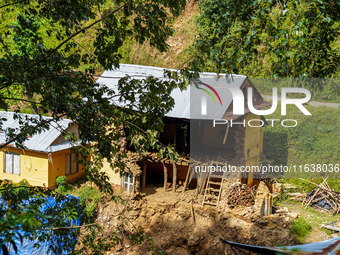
89 199
300 229
315 218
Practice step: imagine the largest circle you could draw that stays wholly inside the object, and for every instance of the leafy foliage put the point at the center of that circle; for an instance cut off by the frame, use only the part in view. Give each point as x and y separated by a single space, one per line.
89 198
26 213
42 67
313 141
61 182
269 38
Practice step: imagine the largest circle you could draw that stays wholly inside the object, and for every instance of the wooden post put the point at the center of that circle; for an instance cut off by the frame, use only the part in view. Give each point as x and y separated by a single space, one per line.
186 183
165 176
226 134
174 176
174 168
144 175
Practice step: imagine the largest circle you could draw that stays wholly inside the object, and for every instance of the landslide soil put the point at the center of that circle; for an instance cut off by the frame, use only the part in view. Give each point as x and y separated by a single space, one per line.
179 224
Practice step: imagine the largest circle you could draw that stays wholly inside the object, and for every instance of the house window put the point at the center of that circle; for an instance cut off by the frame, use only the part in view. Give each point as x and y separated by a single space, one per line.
71 165
12 163
127 182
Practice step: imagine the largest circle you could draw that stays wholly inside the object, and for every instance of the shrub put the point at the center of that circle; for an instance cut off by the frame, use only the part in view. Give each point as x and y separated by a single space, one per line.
61 182
300 229
24 183
89 198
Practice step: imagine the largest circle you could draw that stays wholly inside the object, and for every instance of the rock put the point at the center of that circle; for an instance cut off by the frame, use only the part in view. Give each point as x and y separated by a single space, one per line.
282 210
293 215
263 222
277 187
119 247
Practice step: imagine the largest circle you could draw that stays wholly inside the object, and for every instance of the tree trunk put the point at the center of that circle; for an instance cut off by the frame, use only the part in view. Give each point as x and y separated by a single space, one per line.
165 176
174 177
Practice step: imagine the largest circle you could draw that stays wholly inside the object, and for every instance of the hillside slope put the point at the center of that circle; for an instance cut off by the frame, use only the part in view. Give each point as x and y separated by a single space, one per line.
179 44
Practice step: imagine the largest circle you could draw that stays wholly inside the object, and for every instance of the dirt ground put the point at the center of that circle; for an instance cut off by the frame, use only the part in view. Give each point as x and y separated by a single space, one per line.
179 224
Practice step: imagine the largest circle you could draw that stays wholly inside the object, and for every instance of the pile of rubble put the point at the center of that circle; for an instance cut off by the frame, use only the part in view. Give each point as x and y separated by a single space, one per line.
241 194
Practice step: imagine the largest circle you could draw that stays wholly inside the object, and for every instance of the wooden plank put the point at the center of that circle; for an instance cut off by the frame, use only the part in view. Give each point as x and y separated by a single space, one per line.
331 228
186 180
209 203
214 183
219 194
206 189
144 175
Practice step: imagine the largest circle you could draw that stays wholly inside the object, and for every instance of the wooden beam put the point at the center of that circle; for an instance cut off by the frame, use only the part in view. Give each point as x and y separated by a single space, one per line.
165 176
174 176
186 183
144 174
226 134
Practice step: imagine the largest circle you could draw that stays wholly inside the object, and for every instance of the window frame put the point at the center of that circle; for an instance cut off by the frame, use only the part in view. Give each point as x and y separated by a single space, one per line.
128 180
70 167
12 162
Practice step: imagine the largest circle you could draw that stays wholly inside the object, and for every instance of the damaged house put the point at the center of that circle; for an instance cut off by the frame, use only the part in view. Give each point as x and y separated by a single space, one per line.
239 145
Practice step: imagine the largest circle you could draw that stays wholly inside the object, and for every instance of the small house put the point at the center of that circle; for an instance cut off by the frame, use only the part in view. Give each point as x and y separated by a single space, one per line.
45 156
241 145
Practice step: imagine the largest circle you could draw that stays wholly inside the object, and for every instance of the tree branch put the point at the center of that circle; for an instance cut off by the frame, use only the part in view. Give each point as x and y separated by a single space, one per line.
18 2
19 99
69 38
65 41
75 227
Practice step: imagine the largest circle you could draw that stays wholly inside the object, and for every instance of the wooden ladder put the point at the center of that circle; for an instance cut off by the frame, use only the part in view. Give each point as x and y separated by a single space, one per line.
213 192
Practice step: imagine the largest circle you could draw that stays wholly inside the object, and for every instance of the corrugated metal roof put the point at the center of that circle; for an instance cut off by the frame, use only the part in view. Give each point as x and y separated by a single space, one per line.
183 107
62 146
38 142
330 247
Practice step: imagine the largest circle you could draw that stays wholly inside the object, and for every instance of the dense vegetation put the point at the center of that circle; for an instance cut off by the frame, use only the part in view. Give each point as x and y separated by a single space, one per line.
49 47
314 140
43 67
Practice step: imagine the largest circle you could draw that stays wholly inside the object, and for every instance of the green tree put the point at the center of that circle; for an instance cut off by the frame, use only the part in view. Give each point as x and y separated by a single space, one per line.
40 68
269 38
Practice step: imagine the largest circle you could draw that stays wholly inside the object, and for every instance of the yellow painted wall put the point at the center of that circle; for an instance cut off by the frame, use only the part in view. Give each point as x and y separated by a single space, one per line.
253 144
115 177
39 169
33 167
57 168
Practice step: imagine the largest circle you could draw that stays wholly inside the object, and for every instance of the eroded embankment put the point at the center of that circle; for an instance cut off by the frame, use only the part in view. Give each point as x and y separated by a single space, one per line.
179 224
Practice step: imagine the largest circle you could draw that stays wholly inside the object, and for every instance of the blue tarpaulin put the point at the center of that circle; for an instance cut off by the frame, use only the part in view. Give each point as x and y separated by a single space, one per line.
66 241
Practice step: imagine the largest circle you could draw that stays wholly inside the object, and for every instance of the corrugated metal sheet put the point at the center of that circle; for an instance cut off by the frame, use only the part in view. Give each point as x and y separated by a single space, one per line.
62 146
330 247
38 142
183 107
